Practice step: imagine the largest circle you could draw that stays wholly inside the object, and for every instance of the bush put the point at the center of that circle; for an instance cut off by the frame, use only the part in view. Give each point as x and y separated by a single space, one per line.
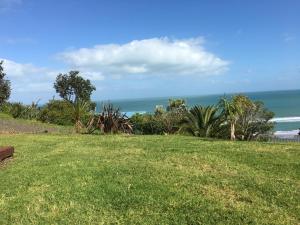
146 124
19 110
57 112
5 108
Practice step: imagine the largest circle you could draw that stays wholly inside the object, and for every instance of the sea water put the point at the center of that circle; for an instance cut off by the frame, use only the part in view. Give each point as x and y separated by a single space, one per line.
285 105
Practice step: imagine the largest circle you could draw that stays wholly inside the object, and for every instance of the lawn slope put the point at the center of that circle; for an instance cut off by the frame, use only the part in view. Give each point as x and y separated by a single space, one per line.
9 125
84 179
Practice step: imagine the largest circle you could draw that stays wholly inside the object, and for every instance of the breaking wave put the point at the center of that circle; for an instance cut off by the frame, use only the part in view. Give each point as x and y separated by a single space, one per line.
286 119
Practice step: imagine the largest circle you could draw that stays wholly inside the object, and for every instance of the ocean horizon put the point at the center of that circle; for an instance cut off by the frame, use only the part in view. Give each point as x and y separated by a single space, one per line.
284 103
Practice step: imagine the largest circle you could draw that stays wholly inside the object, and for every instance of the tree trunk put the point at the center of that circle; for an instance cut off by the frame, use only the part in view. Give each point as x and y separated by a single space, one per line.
78 126
232 131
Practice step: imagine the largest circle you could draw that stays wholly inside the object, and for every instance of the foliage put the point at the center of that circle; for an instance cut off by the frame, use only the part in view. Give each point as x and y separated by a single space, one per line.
72 87
16 109
5 88
80 110
171 121
254 121
76 91
57 112
147 124
230 111
163 121
19 110
159 110
202 121
177 105
110 121
247 119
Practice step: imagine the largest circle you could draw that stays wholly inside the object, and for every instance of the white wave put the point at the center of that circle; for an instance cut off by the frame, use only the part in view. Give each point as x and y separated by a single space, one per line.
131 113
286 119
287 134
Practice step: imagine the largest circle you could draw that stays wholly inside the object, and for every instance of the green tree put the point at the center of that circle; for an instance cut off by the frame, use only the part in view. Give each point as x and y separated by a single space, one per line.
202 121
176 105
231 111
246 119
77 91
72 87
254 121
5 89
159 110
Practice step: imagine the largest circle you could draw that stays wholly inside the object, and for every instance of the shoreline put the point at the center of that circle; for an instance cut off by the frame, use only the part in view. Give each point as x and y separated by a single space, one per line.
292 134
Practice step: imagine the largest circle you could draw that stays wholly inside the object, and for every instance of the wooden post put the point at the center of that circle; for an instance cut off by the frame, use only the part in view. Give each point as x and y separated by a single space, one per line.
6 152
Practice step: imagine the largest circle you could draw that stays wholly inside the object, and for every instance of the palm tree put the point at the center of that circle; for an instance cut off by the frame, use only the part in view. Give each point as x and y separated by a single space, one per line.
202 121
231 112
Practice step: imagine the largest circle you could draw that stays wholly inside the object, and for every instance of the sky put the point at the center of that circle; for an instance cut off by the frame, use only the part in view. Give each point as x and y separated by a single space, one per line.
142 48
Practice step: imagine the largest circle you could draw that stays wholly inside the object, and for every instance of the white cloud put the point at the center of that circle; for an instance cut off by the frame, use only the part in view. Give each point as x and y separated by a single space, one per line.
157 56
34 87
29 71
14 69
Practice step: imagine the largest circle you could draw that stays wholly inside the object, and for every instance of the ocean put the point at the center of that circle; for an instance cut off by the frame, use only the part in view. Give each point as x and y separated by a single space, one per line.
285 105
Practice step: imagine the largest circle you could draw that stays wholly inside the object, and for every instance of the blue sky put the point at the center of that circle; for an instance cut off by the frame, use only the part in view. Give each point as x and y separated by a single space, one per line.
139 48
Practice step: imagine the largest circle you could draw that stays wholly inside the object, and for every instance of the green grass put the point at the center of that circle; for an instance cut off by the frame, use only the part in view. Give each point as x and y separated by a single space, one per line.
11 125
4 116
91 179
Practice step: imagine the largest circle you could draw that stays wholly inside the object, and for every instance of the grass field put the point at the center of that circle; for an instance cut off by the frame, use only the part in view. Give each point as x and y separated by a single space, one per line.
85 179
9 125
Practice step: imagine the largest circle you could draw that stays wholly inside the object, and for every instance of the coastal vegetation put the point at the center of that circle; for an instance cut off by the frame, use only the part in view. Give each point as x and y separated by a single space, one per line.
4 85
232 118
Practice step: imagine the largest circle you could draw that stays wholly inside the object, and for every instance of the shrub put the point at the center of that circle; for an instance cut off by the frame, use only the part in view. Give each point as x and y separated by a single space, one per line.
57 112
19 110
202 121
164 123
110 120
146 124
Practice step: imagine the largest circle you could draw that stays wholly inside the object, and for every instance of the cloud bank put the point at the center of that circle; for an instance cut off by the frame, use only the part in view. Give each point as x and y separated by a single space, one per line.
14 69
131 62
156 56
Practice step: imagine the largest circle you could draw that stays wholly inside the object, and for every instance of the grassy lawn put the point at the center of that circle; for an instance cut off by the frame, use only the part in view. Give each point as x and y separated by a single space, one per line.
10 125
70 179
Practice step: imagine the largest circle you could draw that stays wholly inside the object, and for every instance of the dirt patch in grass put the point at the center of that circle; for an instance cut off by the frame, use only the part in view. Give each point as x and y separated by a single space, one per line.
6 161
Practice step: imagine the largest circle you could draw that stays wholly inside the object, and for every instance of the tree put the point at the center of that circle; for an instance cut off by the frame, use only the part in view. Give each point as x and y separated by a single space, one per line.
72 87
231 112
202 121
77 91
247 119
159 110
177 105
5 89
254 121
